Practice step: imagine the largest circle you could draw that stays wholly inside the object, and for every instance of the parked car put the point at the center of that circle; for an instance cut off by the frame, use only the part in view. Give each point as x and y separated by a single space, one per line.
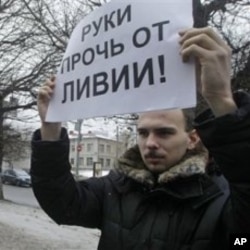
16 177
27 170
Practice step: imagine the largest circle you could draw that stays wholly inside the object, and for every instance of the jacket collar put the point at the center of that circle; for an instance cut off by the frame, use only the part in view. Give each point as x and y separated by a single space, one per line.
185 180
201 188
132 166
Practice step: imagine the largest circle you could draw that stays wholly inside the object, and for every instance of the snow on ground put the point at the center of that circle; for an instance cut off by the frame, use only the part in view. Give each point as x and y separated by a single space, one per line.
29 228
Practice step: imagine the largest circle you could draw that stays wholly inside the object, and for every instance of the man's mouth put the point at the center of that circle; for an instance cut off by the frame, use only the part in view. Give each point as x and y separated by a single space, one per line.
153 160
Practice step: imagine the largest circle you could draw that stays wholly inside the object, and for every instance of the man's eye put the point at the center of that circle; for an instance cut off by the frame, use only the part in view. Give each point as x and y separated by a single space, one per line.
142 133
164 133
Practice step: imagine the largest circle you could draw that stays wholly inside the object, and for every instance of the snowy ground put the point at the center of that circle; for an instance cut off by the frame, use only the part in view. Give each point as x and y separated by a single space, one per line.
29 228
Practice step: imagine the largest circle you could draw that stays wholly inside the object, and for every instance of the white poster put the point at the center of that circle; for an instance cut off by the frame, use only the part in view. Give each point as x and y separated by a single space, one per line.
124 58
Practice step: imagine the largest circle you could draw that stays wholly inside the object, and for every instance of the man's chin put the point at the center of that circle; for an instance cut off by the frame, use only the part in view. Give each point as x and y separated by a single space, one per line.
156 168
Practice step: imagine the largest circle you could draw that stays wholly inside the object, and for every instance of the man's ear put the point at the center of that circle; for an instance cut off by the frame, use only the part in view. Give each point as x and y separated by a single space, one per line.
194 139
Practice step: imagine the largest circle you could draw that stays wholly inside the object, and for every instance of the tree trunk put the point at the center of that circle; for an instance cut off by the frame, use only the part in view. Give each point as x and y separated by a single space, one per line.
200 15
1 190
242 78
1 145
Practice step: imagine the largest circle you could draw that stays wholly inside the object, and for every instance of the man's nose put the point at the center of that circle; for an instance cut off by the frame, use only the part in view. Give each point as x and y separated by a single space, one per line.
152 141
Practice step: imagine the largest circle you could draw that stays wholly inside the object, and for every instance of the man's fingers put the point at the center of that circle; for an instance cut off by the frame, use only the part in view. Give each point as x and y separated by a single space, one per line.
202 43
51 82
201 40
53 78
196 51
187 34
45 92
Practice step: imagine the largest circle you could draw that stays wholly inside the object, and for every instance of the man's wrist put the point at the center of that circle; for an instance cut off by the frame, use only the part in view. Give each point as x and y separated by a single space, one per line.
50 131
222 106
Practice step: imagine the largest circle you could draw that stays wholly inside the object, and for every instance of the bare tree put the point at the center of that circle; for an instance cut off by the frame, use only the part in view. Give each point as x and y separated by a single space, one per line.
33 37
15 144
232 20
22 67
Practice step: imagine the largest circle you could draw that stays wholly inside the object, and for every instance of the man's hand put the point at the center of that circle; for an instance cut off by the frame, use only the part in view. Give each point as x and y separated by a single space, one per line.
213 67
49 131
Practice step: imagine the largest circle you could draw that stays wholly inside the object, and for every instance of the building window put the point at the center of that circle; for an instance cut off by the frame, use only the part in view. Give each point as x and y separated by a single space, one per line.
101 160
101 148
73 148
89 161
108 148
108 162
89 147
72 161
81 161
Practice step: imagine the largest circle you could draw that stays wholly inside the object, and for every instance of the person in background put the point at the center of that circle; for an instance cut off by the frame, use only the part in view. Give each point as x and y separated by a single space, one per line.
160 194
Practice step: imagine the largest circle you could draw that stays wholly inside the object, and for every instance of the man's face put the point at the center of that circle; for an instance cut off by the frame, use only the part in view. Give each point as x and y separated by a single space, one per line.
162 139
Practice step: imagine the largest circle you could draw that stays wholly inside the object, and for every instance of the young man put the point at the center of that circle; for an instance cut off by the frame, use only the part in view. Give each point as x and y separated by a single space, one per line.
159 195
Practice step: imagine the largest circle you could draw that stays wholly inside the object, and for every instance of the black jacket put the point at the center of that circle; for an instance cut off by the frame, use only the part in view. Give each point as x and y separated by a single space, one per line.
135 211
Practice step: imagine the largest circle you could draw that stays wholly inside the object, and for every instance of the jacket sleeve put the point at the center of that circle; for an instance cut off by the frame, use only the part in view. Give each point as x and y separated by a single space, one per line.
228 140
62 198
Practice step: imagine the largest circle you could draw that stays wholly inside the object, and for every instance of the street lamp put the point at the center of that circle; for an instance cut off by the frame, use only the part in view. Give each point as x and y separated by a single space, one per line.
78 127
117 140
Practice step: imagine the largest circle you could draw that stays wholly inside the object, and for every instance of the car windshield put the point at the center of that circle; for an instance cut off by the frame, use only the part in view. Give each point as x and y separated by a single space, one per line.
21 173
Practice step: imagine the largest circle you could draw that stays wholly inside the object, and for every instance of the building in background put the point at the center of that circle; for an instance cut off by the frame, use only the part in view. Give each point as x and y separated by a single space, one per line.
93 150
88 152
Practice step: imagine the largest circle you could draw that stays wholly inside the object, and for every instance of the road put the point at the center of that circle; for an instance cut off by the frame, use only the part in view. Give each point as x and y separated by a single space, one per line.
29 228
20 195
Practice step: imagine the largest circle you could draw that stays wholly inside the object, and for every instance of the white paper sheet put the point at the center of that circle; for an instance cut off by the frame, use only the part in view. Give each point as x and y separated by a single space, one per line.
124 58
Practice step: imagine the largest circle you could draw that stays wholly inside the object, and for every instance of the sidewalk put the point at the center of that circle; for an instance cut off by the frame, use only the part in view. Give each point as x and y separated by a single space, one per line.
29 228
